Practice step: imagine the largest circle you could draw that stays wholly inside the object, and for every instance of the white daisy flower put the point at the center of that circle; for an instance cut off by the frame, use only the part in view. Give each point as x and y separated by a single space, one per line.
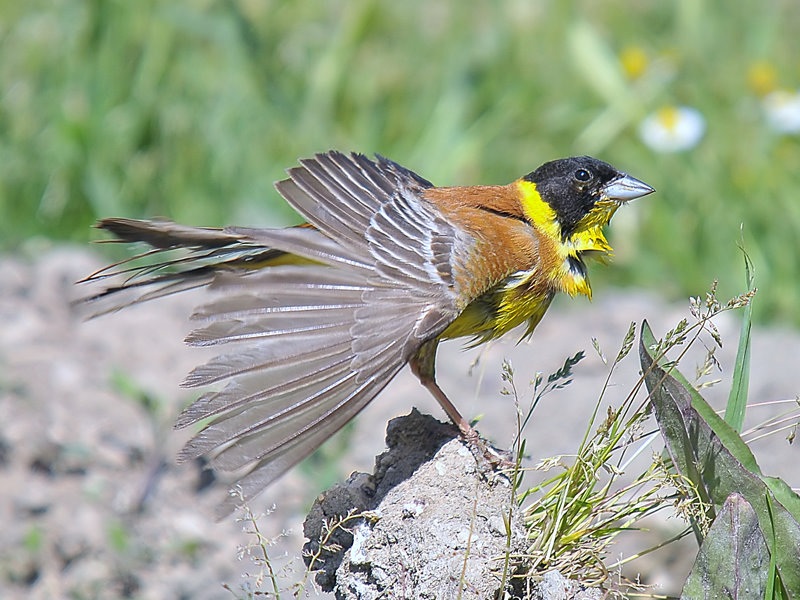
673 129
782 109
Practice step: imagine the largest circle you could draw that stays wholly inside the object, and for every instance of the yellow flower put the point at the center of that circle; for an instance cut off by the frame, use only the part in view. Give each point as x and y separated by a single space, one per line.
762 78
673 129
634 62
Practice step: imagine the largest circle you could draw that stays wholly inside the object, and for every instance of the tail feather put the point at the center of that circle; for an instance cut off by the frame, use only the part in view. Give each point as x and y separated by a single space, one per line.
114 299
201 254
163 234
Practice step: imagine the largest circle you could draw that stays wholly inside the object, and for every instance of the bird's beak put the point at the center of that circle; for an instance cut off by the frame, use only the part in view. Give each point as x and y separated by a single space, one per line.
625 188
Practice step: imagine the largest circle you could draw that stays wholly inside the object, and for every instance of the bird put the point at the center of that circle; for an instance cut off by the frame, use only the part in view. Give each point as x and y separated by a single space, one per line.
319 317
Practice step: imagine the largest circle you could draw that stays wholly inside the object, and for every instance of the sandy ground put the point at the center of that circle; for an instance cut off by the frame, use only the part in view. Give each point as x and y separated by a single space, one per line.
93 505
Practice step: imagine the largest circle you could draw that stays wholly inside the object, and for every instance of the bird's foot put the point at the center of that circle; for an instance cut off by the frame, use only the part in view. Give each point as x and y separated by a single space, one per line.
498 460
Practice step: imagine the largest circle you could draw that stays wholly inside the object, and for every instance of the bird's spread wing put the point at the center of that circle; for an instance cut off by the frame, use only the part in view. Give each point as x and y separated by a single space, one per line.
313 343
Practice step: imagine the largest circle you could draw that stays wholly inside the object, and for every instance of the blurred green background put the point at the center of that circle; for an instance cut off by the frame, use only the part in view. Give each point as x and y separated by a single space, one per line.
191 109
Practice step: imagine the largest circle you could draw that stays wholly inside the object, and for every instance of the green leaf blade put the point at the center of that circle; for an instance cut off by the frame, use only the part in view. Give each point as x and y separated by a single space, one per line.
733 561
737 399
707 451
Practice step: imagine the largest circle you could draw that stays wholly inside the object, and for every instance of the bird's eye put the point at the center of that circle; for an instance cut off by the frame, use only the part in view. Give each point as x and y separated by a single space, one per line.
582 175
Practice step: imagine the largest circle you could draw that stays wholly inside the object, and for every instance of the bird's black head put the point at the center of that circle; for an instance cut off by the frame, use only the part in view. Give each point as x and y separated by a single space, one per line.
574 187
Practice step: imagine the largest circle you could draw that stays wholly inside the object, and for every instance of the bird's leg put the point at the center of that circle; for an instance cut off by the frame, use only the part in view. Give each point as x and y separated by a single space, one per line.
423 366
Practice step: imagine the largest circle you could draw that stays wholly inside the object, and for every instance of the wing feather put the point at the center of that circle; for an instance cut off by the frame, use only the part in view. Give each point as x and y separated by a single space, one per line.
264 425
315 341
304 442
256 357
246 390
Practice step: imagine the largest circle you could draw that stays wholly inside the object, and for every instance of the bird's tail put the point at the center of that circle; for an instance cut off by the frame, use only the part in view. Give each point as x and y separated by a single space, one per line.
179 258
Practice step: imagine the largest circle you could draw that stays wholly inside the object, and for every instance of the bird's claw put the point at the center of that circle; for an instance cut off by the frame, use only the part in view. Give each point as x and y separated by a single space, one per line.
498 460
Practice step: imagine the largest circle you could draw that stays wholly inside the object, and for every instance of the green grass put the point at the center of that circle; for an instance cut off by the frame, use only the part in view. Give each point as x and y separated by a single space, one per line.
192 109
